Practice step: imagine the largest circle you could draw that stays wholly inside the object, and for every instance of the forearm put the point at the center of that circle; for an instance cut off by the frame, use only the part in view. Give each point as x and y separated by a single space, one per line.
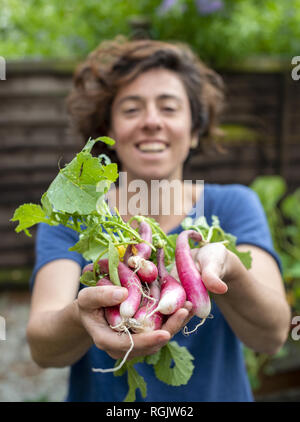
258 314
57 338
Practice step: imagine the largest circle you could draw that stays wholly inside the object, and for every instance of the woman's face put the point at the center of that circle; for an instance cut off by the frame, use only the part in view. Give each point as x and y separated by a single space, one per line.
151 124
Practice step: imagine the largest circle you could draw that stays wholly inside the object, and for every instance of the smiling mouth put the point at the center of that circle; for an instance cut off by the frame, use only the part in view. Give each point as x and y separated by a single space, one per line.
151 146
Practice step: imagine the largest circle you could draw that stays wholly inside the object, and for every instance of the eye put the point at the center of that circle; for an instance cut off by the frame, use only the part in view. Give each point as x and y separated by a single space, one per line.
169 106
131 110
169 109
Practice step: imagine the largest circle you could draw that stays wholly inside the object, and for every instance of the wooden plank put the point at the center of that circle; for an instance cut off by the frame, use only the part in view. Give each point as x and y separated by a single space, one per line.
36 85
27 108
17 259
34 137
31 159
29 121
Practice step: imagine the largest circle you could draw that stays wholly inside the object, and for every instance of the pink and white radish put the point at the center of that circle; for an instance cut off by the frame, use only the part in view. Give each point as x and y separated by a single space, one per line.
172 294
112 313
115 320
154 321
132 283
120 320
146 270
189 275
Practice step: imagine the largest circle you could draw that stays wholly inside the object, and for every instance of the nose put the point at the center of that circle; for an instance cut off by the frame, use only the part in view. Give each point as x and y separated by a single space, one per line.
152 118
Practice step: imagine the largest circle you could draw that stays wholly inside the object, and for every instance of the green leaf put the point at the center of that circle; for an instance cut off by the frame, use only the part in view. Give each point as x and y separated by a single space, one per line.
187 223
106 139
91 142
245 257
88 246
46 204
28 215
80 184
135 381
180 357
153 359
74 188
87 279
291 206
201 222
270 190
113 262
110 171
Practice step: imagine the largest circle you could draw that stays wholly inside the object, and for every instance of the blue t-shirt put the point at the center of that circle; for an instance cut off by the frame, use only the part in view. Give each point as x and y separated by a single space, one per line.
219 373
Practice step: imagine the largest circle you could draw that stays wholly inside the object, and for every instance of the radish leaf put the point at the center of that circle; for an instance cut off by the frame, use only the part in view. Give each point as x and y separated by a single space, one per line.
135 380
181 372
29 215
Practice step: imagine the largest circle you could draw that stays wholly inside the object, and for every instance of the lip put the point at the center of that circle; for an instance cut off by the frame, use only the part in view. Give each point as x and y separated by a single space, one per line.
150 141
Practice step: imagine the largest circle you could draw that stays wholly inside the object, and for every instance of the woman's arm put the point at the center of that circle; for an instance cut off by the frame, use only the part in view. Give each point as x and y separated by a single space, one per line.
63 326
252 301
55 336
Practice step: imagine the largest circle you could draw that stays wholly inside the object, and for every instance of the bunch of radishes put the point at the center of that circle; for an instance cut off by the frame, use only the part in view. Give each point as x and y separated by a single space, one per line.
153 294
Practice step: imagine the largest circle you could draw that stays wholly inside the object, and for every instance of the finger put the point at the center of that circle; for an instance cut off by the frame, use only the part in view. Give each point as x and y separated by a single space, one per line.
179 319
101 296
212 282
211 260
117 344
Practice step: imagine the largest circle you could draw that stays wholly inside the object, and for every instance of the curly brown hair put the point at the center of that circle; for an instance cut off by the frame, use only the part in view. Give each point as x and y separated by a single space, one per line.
115 63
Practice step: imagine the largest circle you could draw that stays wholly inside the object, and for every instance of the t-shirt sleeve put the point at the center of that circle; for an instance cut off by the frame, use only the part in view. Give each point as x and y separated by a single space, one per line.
241 214
53 242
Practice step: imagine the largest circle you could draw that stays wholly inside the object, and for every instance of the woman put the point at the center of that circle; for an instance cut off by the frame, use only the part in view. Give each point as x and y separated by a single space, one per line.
159 102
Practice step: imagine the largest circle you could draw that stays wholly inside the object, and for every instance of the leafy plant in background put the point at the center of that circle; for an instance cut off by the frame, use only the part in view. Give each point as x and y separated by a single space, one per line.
222 32
283 215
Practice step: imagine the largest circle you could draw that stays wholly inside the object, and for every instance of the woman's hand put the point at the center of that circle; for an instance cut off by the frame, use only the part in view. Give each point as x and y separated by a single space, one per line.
252 301
215 264
91 302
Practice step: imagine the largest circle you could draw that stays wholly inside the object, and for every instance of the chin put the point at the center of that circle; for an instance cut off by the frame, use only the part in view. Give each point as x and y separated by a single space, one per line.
154 175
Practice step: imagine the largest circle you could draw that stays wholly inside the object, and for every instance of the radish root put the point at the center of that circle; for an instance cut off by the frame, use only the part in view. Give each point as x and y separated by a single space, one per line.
144 294
103 371
185 329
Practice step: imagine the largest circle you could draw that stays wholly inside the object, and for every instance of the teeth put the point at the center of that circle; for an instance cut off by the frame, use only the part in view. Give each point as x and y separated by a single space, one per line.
152 146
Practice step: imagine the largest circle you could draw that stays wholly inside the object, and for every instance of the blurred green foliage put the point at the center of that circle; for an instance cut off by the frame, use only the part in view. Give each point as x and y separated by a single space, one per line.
239 29
283 214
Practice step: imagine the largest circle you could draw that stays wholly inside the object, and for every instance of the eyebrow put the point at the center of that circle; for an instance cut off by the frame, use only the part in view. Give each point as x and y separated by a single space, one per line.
160 97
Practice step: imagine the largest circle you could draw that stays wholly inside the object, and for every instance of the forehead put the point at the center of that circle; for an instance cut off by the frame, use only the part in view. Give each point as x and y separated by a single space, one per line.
156 82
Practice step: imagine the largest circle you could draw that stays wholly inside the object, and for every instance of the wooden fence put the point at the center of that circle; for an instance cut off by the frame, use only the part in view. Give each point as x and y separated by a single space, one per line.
35 136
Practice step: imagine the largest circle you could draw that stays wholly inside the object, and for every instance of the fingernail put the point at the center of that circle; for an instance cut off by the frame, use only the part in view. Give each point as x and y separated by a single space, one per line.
118 294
